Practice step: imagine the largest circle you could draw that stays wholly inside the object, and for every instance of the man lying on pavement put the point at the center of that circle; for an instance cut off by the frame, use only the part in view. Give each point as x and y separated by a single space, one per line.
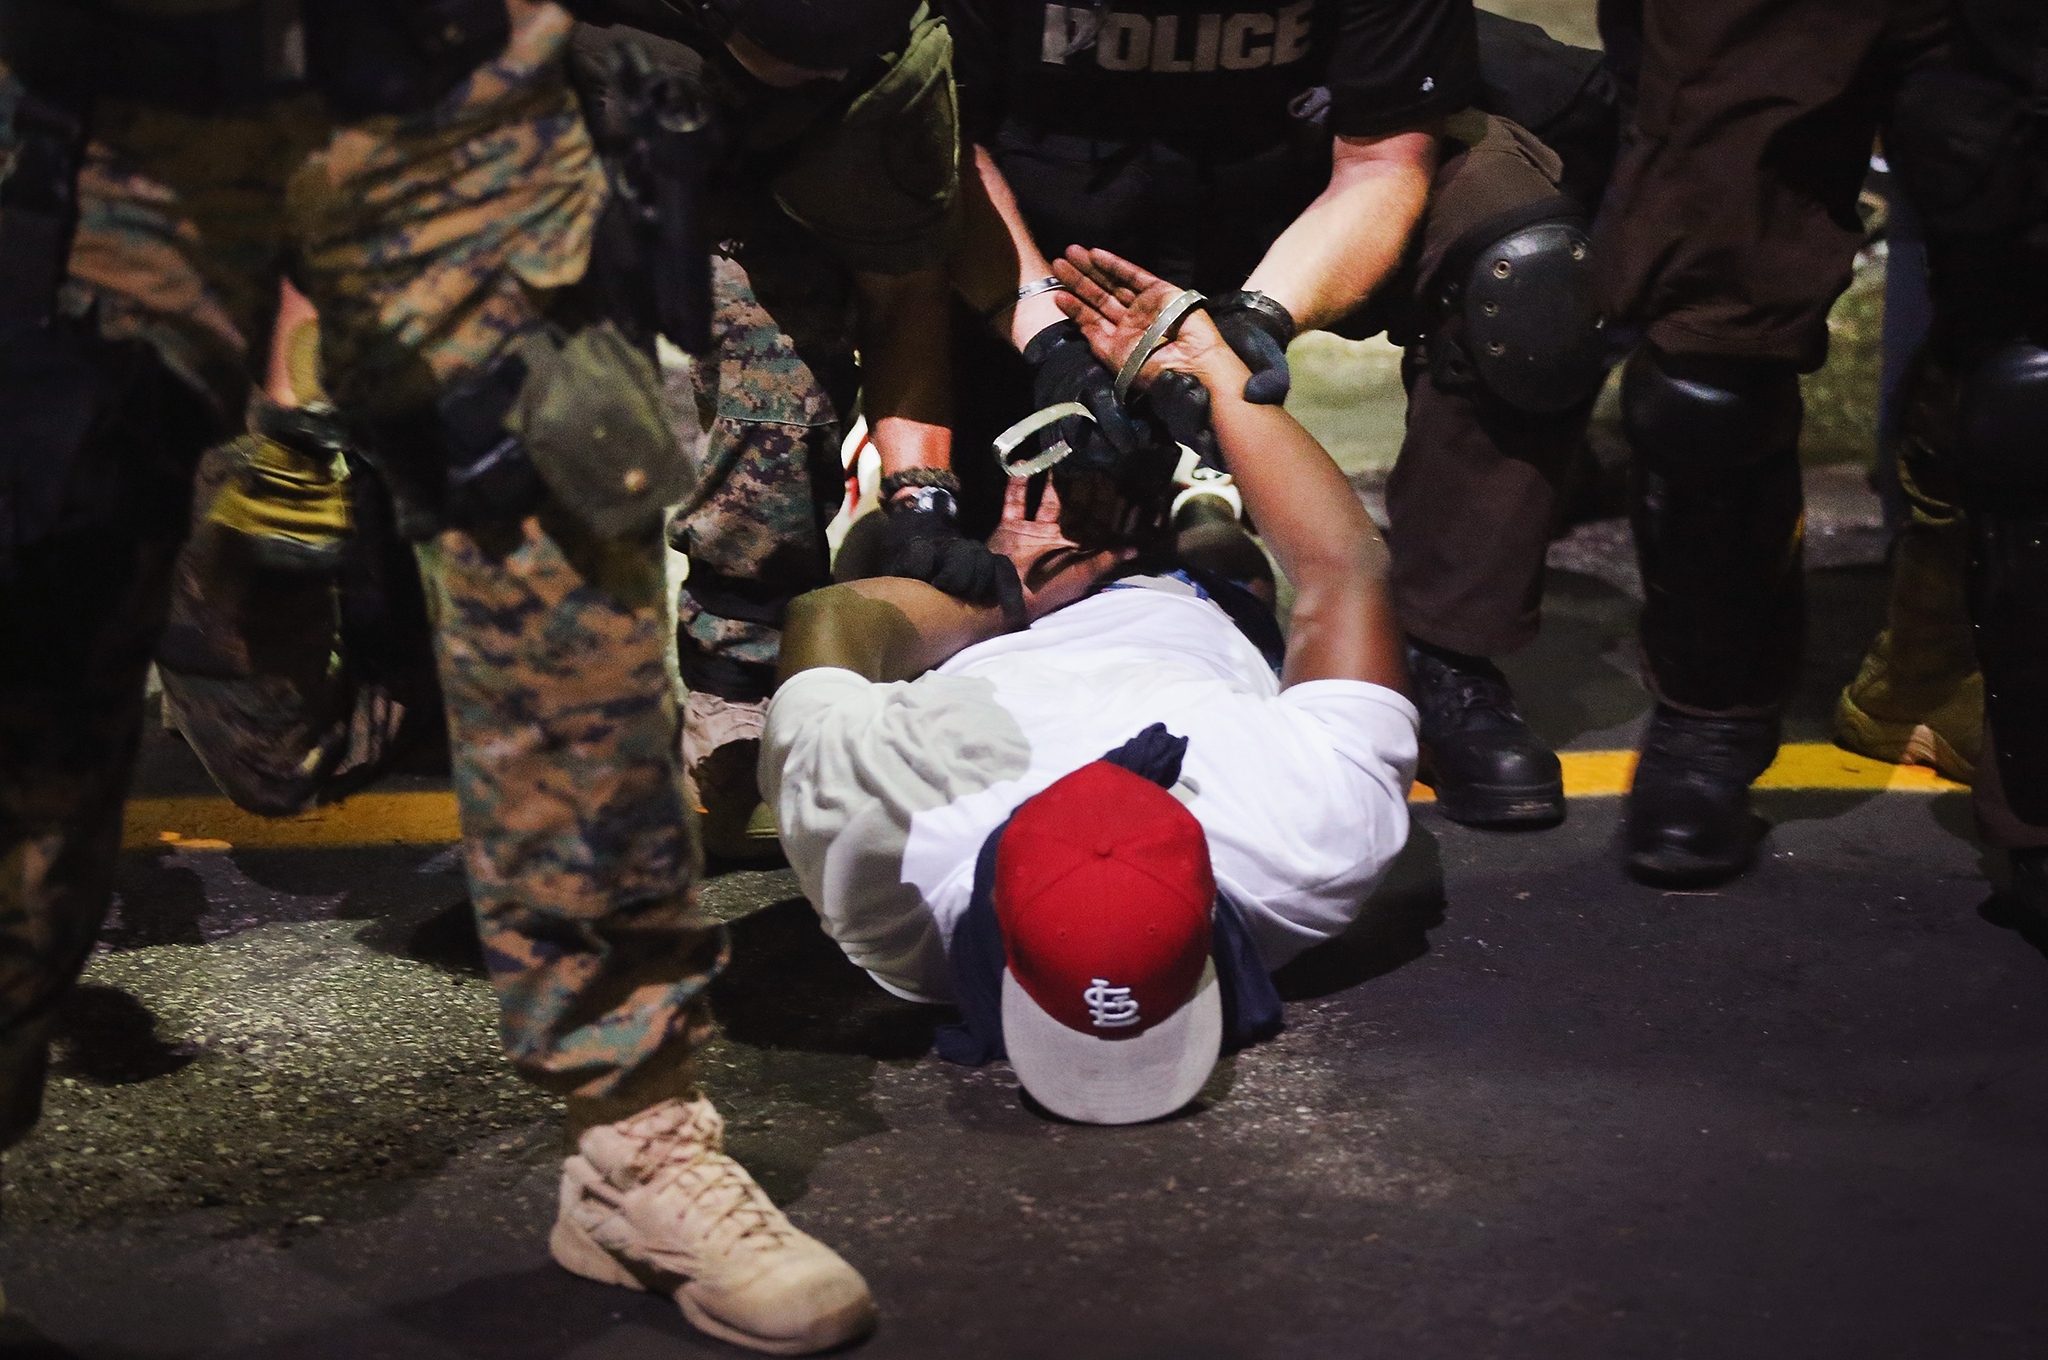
1098 834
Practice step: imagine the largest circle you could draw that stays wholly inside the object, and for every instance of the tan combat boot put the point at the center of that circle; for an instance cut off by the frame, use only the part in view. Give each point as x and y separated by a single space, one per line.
721 748
651 1203
290 497
1919 699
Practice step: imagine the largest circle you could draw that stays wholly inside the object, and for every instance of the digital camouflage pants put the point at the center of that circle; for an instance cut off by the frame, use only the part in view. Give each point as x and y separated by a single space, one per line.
428 247
780 392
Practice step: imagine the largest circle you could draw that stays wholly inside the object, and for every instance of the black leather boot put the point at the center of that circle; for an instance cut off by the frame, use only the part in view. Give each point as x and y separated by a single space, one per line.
1487 767
1689 821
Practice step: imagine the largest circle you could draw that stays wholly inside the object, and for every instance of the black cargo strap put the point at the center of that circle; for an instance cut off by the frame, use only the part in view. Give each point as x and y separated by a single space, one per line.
737 597
708 672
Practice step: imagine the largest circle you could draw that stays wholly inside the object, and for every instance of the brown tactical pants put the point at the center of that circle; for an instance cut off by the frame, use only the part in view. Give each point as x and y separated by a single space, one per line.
1730 226
1473 496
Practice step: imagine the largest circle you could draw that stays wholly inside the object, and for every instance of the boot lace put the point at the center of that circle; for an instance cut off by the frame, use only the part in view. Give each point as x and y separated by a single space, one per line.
1455 698
681 1159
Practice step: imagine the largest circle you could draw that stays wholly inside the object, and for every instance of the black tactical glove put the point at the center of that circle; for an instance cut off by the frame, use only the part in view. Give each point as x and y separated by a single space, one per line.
926 546
1067 370
1258 330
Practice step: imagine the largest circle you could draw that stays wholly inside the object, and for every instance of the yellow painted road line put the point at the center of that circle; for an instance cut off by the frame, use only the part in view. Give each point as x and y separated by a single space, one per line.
365 819
1806 765
370 819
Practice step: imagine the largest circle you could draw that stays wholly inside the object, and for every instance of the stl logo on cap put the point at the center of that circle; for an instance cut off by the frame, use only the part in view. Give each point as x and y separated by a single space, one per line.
1109 1007
1105 875
1104 894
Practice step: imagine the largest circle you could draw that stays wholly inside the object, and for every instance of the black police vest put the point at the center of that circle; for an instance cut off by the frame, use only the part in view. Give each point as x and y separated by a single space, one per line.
1196 70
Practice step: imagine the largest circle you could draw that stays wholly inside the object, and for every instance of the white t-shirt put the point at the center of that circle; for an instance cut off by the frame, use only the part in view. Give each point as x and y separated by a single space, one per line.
885 792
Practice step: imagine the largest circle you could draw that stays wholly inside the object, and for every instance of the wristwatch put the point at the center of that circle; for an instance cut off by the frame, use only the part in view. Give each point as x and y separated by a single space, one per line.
921 490
929 500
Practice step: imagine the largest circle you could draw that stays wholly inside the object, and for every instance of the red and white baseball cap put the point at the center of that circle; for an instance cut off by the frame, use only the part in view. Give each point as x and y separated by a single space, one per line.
1103 891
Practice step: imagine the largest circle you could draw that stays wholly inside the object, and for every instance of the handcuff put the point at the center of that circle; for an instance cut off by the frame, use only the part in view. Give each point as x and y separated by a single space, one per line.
1164 329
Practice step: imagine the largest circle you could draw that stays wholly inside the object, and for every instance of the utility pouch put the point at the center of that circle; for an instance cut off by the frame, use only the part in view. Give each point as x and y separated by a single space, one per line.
371 57
591 419
576 416
881 185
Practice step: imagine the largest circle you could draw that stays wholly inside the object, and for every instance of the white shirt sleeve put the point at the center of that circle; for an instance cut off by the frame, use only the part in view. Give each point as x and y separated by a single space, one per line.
1311 809
846 763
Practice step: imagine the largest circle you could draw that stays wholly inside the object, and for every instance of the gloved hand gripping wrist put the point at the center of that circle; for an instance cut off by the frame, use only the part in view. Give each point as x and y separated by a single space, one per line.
1258 330
926 546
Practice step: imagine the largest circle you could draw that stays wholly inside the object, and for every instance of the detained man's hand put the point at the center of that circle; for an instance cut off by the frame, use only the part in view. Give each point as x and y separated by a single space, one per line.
1054 569
1113 301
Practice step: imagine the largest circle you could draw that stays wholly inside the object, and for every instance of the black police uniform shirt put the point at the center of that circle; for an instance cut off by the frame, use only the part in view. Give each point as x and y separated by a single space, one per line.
1234 73
1180 135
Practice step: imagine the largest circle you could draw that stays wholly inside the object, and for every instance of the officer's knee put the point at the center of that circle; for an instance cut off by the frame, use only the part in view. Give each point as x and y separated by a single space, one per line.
1695 412
2003 411
1519 319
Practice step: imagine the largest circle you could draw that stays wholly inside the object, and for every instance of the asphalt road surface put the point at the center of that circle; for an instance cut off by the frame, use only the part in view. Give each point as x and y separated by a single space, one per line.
1526 1108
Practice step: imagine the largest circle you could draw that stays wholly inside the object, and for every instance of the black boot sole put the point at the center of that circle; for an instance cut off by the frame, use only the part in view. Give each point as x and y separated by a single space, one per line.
1503 806
1670 866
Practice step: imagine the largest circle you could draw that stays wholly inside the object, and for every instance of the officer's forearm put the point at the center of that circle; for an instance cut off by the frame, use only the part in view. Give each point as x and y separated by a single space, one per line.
1331 258
997 256
904 370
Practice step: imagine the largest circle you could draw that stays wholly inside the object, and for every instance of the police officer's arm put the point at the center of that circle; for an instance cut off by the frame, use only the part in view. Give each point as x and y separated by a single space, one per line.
1344 244
997 256
1343 625
905 376
995 259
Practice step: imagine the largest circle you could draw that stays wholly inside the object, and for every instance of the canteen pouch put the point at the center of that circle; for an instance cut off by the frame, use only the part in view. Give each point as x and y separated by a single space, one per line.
591 418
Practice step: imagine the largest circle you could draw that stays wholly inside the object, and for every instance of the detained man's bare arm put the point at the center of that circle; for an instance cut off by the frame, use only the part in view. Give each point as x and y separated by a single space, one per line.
888 628
1343 625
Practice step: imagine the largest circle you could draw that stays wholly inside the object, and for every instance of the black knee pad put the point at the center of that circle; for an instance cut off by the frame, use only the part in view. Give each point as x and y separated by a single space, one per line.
1686 413
2002 424
1519 317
